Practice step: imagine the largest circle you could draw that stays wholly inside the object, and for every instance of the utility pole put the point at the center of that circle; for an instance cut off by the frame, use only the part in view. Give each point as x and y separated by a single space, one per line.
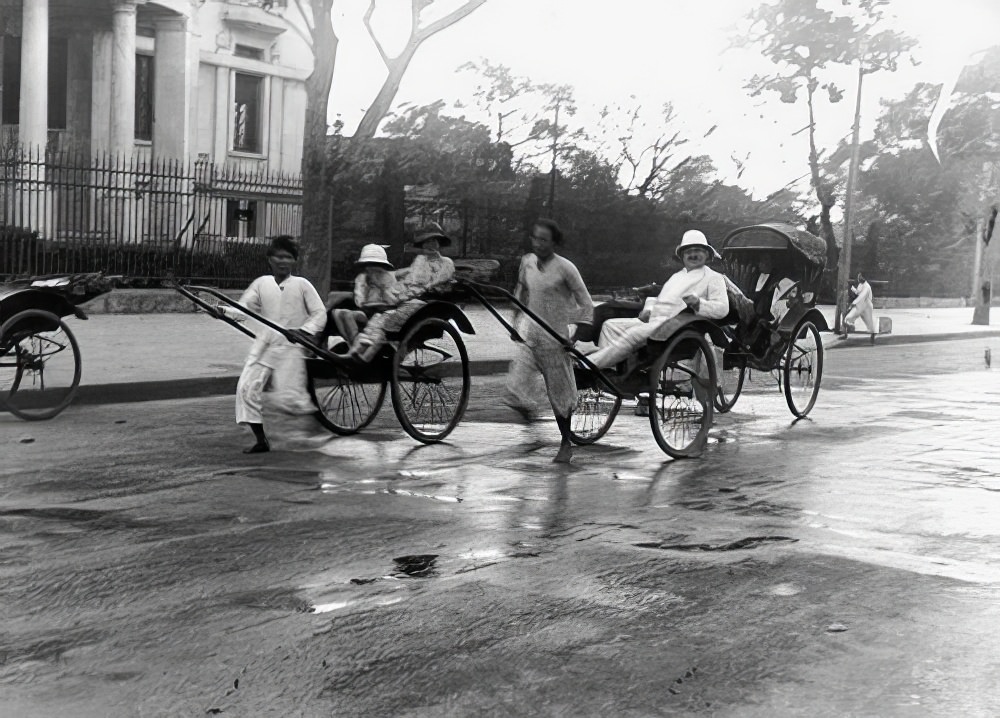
981 313
552 169
844 266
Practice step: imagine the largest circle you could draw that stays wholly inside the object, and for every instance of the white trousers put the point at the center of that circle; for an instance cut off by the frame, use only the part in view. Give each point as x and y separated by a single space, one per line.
286 382
621 337
866 316
531 366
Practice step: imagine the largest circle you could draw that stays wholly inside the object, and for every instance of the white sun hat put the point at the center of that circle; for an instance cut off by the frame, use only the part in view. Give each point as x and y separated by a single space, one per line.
695 238
374 254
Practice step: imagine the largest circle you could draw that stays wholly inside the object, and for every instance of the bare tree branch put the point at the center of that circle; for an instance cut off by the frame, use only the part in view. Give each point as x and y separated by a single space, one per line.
305 17
307 34
422 33
371 33
397 65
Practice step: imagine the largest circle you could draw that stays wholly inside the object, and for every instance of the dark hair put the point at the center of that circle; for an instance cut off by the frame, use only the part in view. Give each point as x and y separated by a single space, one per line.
283 243
550 224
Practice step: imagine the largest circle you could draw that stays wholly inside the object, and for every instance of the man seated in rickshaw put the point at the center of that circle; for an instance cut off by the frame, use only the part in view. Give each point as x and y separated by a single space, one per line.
695 287
429 271
773 294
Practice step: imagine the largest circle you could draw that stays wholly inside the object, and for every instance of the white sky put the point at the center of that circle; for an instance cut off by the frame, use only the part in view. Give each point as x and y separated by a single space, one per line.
657 50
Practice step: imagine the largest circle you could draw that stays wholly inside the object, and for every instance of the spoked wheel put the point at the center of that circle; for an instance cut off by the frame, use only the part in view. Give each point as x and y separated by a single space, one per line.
730 380
39 365
681 393
430 380
595 411
346 406
802 369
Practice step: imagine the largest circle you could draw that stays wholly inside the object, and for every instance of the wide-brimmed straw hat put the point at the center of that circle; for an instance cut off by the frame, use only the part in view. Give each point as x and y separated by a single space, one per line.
695 238
373 255
431 230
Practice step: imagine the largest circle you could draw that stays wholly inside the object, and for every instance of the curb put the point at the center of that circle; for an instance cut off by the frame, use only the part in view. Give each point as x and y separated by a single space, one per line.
167 389
894 339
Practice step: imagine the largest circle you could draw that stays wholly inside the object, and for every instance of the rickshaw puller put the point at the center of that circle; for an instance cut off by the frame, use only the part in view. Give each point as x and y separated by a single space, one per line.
551 287
290 301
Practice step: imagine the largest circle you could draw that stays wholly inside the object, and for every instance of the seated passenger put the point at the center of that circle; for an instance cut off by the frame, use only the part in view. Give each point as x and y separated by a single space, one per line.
696 287
430 270
374 288
772 290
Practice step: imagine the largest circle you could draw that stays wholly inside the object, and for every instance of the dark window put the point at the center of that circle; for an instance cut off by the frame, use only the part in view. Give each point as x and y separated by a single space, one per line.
11 80
241 218
246 113
58 59
143 97
254 53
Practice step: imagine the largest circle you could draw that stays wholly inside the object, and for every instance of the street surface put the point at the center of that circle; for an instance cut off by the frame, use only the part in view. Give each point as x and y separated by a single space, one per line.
844 565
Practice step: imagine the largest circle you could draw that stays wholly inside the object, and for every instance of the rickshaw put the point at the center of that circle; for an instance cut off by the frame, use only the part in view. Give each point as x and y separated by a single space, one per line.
674 372
40 364
791 347
424 366
692 366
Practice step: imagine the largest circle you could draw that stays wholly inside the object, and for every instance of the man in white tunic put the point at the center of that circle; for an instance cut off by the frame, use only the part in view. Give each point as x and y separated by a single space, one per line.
551 287
862 306
274 362
696 286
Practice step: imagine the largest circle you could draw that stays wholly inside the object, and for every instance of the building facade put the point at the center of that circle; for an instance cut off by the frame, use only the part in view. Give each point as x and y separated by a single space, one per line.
163 123
221 80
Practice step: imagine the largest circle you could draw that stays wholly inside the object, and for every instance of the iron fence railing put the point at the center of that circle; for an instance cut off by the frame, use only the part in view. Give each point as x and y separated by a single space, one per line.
141 218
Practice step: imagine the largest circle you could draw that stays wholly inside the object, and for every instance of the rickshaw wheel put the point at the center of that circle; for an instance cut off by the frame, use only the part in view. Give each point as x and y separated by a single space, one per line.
430 380
730 382
595 411
681 392
345 406
39 365
802 368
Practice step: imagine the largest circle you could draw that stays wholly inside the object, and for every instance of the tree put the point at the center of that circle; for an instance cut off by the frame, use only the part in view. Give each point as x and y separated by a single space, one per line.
322 161
803 40
922 213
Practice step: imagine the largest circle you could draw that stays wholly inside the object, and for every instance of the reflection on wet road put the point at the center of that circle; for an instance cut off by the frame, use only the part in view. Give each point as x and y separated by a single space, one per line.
841 565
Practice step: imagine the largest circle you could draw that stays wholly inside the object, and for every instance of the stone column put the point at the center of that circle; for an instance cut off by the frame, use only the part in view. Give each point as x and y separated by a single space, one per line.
172 84
34 111
33 207
100 93
123 77
223 116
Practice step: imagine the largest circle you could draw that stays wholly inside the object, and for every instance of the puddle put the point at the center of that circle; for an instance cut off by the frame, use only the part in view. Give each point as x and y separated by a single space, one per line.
328 607
784 589
743 543
419 565
306 477
404 492
414 566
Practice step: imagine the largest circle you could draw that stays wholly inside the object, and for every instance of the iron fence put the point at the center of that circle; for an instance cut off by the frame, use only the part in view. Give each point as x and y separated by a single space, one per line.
140 218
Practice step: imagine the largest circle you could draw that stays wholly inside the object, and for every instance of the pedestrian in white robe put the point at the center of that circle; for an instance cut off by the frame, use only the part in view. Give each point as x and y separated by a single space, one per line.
274 362
862 306
697 287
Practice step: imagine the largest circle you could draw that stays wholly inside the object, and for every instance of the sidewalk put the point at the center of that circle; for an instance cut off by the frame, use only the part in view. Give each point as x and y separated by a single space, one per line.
143 357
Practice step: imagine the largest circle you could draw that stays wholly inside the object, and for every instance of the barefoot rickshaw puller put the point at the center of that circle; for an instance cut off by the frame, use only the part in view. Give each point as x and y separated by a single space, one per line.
274 362
551 287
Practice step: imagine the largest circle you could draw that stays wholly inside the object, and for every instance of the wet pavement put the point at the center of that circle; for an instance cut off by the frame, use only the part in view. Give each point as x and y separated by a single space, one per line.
846 564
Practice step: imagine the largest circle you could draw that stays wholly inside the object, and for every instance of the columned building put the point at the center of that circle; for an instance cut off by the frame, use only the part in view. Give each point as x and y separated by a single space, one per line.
219 80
